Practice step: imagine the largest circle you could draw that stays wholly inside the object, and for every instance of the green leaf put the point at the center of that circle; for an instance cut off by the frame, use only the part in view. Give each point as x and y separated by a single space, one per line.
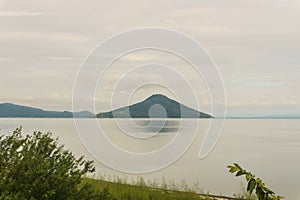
248 176
242 172
232 169
238 166
251 185
260 193
268 191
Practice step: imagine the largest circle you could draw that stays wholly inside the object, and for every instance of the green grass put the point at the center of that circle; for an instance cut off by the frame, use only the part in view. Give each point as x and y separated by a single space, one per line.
130 192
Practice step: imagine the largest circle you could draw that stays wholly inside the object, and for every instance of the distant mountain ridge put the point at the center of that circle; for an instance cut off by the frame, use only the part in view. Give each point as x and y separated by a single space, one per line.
159 106
9 110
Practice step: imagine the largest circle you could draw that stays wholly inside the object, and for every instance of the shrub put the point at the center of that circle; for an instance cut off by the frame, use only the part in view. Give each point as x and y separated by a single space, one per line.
37 167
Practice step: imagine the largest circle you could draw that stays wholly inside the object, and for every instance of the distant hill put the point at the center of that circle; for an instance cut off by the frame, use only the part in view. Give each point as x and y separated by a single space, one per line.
16 111
172 109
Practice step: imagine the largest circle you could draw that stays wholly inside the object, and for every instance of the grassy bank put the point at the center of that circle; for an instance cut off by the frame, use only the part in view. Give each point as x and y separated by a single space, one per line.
131 192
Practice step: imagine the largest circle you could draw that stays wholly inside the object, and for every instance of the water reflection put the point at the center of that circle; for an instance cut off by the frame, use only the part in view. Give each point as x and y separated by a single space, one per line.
157 125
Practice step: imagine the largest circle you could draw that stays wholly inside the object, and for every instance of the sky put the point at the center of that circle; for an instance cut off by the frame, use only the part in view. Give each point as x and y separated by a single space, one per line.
255 45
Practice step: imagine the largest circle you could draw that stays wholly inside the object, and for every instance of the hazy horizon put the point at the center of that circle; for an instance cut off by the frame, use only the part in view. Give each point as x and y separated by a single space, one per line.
259 115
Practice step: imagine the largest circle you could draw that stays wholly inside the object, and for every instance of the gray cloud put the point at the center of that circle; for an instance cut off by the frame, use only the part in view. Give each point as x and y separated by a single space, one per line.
256 45
20 14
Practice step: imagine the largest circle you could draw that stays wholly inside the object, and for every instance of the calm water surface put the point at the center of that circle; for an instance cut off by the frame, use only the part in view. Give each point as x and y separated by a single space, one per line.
270 148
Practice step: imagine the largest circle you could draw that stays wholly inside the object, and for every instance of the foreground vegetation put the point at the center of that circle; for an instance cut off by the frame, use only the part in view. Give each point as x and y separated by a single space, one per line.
254 184
36 167
121 191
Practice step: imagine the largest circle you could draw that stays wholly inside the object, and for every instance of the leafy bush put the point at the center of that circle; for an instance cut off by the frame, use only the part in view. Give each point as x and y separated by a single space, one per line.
261 190
37 167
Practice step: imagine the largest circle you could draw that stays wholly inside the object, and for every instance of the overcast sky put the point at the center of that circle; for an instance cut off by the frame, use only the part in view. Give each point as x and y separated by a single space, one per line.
255 44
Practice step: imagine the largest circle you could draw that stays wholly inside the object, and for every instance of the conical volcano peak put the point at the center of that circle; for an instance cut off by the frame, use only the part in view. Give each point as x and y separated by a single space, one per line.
158 97
172 109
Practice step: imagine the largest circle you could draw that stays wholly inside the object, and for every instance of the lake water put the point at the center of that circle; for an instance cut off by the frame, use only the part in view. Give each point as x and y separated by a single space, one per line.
270 148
